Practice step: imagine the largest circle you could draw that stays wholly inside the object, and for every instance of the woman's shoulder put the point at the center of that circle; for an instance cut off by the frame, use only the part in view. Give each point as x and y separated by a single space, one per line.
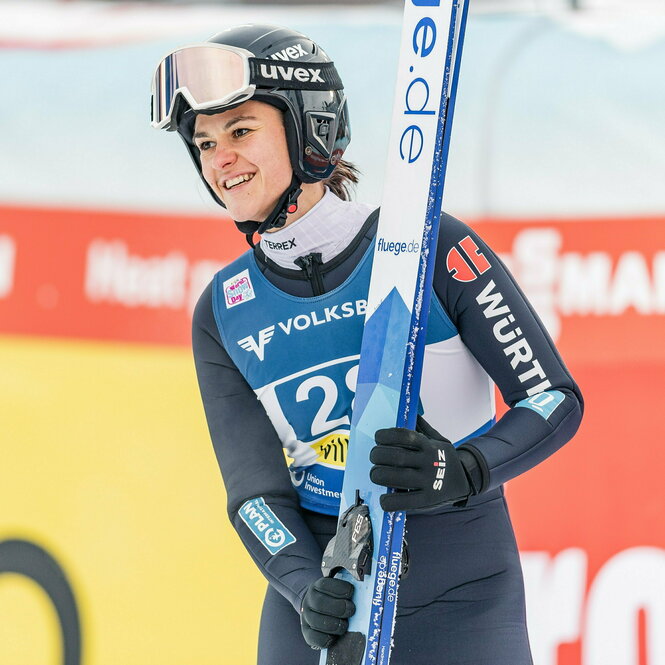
458 240
203 316
227 277
452 230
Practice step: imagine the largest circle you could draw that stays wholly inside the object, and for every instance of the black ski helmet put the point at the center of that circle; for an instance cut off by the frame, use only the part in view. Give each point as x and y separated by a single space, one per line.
316 121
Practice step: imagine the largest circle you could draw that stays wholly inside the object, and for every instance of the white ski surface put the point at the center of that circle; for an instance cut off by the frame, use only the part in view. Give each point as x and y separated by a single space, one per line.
399 294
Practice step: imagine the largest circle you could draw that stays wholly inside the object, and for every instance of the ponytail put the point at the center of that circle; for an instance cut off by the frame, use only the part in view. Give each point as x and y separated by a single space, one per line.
342 180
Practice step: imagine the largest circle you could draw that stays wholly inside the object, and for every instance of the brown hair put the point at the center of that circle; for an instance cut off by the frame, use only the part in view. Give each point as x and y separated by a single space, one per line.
342 180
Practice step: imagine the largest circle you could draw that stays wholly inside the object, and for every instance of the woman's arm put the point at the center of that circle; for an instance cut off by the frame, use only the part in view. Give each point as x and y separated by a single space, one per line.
253 467
502 331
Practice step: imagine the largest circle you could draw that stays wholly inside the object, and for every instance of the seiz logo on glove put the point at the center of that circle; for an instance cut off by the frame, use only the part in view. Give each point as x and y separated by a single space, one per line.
422 467
441 470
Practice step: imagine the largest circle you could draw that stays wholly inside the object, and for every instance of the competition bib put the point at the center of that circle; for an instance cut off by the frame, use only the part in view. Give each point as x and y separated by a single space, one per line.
300 356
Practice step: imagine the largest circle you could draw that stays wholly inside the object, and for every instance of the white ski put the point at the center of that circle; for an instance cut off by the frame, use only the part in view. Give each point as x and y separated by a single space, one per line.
367 549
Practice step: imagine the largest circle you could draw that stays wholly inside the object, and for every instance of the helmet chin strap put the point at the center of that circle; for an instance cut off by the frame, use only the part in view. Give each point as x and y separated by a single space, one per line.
287 204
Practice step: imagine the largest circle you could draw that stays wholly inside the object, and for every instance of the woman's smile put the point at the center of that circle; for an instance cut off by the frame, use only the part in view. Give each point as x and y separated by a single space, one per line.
236 182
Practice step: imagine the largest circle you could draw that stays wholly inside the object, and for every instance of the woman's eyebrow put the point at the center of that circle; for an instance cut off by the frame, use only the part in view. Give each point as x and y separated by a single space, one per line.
238 118
228 125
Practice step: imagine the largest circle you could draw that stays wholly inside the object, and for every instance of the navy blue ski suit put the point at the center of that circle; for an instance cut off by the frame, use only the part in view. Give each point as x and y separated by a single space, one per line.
462 600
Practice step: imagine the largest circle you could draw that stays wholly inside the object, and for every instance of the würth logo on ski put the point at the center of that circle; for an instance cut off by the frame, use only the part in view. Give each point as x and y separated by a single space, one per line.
469 264
250 344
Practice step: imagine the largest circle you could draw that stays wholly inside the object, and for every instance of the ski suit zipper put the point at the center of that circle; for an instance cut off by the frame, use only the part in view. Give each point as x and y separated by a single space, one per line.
310 264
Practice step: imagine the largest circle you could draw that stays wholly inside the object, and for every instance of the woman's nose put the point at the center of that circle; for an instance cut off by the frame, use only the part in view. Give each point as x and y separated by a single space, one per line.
224 157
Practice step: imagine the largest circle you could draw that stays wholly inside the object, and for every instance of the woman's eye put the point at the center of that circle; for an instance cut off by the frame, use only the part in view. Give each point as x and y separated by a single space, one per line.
205 145
237 133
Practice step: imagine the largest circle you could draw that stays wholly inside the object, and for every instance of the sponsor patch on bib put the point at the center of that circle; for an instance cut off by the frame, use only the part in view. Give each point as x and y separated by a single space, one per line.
238 289
331 449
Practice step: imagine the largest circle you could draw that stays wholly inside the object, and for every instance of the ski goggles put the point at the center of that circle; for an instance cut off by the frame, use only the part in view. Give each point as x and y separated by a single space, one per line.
208 76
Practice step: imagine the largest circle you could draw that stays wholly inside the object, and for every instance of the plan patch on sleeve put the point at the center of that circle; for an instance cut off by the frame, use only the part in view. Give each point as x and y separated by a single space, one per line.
265 525
543 403
238 289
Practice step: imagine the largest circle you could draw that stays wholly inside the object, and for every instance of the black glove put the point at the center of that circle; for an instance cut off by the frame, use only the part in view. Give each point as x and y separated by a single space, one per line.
325 610
422 466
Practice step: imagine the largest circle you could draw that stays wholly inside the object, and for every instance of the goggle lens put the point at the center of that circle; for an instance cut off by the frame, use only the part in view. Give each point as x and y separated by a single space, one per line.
204 75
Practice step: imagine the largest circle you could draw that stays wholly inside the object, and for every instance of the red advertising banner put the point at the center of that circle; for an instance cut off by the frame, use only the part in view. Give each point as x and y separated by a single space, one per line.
106 275
590 519
599 285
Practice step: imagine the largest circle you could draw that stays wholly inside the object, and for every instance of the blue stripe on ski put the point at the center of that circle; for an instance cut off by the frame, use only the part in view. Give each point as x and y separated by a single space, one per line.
378 392
383 331
406 416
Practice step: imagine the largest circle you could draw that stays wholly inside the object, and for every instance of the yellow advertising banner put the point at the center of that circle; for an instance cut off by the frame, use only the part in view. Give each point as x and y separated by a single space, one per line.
114 541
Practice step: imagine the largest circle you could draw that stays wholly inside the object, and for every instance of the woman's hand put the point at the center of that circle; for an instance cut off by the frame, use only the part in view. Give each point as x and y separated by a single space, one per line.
423 466
325 611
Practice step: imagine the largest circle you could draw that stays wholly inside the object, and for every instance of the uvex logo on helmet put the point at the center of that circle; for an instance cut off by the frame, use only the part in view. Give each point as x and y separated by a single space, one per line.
301 74
290 53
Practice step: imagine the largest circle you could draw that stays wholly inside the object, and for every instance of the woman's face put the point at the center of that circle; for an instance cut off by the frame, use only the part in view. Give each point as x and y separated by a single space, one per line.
244 158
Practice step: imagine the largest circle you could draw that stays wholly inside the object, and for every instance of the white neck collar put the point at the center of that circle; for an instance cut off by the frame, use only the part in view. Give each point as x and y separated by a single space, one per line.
327 228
